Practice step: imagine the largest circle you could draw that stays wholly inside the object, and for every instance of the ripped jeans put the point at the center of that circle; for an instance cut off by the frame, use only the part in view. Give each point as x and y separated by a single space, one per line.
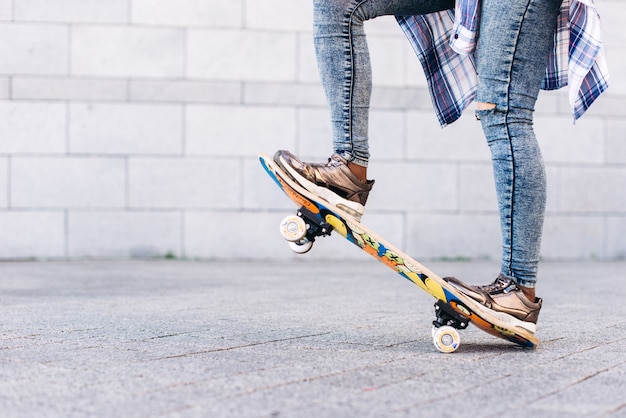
515 40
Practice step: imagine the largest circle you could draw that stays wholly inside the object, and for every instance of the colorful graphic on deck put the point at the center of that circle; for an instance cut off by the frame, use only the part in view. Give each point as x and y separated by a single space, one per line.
386 256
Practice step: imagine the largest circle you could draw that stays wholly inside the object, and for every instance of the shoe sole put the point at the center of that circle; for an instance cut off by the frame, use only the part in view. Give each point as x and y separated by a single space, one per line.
508 319
352 208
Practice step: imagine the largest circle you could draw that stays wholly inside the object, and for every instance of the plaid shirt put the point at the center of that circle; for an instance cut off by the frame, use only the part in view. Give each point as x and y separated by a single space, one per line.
445 43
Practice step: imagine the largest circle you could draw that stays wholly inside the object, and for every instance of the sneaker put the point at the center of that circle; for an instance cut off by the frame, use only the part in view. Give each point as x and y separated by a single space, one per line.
333 181
505 297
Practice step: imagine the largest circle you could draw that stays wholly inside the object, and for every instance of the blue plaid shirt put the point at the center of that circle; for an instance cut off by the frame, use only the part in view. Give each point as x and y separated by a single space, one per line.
445 43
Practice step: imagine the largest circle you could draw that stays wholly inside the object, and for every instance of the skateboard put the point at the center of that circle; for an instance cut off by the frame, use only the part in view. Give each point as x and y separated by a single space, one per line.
453 309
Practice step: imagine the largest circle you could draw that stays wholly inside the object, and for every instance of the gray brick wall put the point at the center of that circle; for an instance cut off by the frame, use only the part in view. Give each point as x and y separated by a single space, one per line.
131 128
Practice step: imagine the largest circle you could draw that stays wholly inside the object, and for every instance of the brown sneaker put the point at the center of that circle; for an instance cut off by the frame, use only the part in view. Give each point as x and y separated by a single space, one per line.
332 181
504 296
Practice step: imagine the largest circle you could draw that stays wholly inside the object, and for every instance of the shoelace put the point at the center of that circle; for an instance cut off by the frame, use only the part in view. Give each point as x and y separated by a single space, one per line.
499 284
334 162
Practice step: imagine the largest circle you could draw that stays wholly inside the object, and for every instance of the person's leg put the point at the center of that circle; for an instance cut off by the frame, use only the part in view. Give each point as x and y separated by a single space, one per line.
344 66
516 37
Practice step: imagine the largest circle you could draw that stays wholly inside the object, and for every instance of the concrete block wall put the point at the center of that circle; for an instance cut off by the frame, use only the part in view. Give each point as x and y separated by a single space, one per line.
131 128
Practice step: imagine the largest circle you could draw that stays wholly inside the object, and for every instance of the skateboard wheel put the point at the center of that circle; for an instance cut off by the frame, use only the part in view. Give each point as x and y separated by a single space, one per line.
446 339
301 247
293 228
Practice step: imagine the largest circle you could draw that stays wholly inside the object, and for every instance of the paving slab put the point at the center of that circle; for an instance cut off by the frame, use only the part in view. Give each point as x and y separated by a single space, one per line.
302 338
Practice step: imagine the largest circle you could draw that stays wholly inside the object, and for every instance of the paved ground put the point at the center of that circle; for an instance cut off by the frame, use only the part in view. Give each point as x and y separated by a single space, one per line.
302 339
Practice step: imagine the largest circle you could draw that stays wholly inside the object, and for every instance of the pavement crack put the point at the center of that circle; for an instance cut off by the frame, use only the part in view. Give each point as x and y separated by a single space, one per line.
329 376
237 347
615 410
579 381
174 334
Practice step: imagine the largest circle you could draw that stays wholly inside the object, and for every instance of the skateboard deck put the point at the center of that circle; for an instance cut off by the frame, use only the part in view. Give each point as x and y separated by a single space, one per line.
453 309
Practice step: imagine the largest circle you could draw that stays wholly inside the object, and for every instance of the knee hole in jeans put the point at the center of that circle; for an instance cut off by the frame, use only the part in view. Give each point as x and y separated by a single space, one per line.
485 106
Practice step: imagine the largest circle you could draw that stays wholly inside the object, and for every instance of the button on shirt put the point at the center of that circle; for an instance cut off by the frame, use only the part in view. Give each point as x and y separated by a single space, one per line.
445 43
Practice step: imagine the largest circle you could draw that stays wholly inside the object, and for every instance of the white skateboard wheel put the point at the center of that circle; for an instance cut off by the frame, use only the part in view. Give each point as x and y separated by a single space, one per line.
446 339
293 228
301 247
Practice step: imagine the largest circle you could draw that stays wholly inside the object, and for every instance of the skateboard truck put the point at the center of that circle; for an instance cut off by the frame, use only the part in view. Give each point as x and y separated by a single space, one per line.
316 227
445 335
448 317
302 229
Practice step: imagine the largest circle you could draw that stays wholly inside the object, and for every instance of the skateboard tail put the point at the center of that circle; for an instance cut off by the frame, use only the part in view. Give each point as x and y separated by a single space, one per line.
287 189
270 171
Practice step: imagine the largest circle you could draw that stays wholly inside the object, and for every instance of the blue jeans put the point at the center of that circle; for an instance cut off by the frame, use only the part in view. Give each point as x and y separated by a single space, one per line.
511 56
